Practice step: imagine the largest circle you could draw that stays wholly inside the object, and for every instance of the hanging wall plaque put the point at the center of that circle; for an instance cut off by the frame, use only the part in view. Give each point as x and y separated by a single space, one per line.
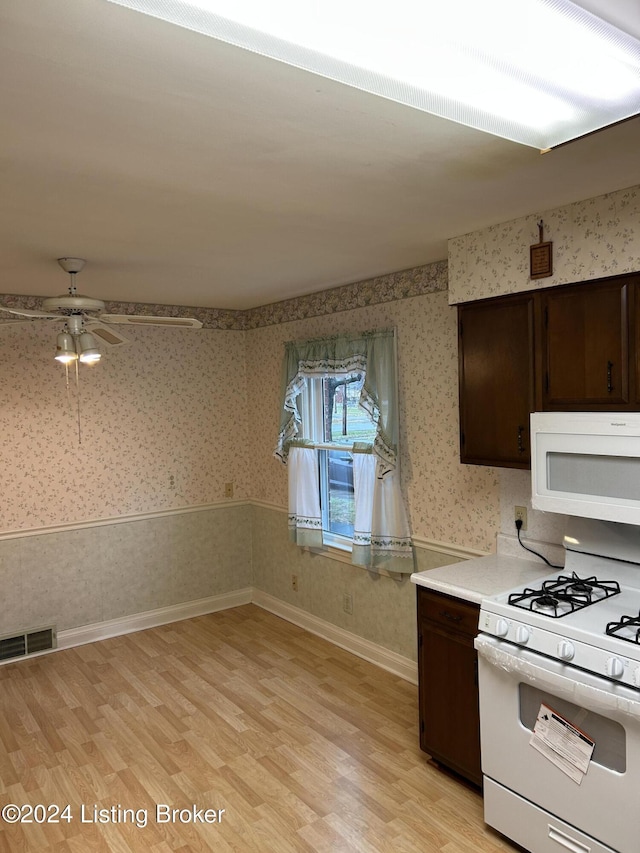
540 260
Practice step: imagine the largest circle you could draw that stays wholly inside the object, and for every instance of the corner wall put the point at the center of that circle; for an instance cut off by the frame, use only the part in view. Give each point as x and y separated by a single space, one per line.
453 508
592 239
133 517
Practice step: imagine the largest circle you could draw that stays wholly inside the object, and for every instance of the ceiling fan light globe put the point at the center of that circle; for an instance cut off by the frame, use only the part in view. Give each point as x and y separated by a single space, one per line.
87 348
66 358
65 348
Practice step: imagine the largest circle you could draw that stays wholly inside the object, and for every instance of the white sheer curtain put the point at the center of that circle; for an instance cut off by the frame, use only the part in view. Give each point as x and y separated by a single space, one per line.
305 516
382 537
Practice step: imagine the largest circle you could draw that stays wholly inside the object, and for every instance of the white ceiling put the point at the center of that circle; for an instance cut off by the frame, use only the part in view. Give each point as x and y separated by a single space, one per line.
191 172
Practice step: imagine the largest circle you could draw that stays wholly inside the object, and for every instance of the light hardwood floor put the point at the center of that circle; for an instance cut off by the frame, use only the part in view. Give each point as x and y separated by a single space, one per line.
304 746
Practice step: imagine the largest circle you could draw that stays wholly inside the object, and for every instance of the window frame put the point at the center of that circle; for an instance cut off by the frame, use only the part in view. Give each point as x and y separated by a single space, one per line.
312 415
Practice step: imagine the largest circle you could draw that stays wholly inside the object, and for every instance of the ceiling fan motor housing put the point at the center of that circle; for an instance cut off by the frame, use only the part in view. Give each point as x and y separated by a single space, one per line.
72 302
76 304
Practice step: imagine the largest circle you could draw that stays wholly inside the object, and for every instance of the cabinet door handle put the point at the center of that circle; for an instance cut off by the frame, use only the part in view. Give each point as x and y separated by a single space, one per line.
609 377
452 617
520 441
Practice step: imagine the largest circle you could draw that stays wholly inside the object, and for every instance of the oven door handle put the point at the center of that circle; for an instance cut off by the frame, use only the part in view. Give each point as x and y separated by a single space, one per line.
580 688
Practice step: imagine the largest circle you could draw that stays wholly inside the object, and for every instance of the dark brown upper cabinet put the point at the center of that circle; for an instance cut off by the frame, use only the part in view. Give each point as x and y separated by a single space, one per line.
569 348
585 347
496 360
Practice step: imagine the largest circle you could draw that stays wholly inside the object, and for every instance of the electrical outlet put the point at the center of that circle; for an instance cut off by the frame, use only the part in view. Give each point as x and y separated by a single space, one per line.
228 490
347 603
172 483
294 583
521 514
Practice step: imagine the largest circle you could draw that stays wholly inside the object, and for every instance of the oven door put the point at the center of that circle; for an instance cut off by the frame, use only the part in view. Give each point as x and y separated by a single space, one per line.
527 797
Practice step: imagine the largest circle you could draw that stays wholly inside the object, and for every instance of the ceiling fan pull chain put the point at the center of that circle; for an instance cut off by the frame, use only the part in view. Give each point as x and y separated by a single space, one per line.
66 371
78 401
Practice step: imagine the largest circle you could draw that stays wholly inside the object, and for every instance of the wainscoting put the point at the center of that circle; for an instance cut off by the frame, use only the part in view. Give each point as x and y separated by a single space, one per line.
114 576
111 569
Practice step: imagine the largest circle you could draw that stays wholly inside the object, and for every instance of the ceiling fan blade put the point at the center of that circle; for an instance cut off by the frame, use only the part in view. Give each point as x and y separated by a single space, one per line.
30 313
148 320
106 335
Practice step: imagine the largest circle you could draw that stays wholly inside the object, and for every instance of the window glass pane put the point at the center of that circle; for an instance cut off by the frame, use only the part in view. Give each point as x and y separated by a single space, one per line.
340 510
344 420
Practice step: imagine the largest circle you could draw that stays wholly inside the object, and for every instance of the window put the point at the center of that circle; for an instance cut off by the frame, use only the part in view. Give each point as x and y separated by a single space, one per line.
332 420
338 438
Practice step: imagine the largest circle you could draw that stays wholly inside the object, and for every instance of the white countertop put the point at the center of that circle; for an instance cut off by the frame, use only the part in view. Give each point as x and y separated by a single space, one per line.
473 580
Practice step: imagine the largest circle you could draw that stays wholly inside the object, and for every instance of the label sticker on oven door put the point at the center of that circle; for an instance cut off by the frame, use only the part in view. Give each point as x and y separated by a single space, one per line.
569 748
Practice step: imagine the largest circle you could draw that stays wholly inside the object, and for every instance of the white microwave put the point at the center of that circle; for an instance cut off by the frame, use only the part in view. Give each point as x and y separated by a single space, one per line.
587 464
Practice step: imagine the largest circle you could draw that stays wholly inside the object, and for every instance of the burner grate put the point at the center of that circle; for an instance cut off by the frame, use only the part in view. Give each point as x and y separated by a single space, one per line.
615 629
564 595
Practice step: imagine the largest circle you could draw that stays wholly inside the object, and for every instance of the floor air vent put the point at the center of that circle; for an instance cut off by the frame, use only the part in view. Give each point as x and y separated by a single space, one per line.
28 643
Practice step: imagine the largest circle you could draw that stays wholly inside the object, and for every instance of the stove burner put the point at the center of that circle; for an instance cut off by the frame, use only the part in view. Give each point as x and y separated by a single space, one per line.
546 601
564 595
580 587
626 622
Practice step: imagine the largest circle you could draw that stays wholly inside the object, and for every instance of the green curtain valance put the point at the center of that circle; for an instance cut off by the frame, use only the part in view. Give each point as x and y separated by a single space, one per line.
372 353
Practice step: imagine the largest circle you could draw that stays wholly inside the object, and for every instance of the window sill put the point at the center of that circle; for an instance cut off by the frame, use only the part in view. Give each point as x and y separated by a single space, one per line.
342 554
337 543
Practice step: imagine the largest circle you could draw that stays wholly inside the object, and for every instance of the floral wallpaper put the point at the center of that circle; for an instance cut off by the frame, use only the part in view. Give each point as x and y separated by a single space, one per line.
375 291
161 421
591 239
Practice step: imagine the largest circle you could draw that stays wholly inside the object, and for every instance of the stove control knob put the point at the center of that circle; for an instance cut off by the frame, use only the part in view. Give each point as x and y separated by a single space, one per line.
615 668
566 650
522 634
502 628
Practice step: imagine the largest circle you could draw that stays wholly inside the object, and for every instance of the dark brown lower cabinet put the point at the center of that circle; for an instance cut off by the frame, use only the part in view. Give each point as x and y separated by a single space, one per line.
448 682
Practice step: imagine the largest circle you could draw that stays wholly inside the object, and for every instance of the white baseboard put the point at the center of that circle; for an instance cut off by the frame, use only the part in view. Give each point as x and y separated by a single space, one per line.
391 661
152 618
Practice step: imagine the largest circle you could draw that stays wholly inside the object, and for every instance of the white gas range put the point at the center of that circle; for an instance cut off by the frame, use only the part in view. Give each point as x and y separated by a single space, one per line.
586 614
568 646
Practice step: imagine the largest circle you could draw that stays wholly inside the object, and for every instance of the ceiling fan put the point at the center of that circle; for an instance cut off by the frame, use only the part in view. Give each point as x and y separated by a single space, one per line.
81 313
75 343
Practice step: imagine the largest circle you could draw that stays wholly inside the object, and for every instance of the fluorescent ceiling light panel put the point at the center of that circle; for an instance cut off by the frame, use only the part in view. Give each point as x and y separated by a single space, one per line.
539 72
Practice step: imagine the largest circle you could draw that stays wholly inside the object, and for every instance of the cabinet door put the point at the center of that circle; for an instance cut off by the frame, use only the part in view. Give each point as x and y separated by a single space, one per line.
634 294
585 347
496 381
447 662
